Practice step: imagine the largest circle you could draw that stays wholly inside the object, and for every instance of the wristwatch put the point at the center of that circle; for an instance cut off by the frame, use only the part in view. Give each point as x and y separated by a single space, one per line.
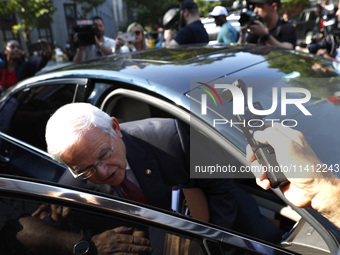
84 247
100 44
266 37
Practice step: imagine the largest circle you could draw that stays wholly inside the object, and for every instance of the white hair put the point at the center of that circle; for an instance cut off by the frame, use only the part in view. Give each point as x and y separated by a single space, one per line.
70 122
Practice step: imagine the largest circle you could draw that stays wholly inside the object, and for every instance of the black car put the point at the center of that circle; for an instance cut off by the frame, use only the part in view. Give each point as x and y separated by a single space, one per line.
307 25
172 83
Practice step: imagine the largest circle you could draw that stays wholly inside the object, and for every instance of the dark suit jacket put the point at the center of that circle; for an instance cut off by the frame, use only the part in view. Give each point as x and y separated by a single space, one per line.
158 154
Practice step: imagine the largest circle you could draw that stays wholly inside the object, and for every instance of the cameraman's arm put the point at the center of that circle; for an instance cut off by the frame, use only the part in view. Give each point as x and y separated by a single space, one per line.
104 49
243 33
260 30
79 55
80 50
272 41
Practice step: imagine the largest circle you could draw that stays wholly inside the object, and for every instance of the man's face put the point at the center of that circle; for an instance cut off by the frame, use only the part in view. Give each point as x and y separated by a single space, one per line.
13 50
100 28
219 20
93 147
264 10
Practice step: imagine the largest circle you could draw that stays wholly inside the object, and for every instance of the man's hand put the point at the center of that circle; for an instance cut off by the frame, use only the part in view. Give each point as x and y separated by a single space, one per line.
258 28
319 190
119 43
291 149
121 240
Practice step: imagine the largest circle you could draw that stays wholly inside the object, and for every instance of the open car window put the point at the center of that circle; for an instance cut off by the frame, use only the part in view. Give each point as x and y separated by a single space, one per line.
25 114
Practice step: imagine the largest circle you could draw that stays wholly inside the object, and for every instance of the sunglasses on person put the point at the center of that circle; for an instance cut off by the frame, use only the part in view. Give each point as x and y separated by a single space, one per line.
137 32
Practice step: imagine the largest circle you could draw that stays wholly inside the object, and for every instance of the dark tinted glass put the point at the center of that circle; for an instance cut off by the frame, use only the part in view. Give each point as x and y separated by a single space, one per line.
24 116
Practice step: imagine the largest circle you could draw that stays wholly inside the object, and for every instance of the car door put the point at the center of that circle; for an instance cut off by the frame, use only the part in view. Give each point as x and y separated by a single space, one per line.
26 205
23 117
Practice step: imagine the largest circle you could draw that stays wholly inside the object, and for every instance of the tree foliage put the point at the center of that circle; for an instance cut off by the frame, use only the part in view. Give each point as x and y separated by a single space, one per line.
206 7
89 5
294 7
150 13
31 14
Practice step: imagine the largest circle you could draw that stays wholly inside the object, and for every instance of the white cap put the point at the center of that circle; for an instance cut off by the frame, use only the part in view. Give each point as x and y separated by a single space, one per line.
219 10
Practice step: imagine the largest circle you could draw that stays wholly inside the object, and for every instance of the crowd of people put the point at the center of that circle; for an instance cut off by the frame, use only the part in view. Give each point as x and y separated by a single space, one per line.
269 29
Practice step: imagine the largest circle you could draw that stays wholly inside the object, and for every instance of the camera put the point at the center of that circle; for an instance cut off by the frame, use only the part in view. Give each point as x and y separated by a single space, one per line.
36 47
247 18
86 30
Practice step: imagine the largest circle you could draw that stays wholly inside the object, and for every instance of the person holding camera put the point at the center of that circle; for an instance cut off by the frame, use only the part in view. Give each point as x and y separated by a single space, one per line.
269 29
15 68
103 45
133 40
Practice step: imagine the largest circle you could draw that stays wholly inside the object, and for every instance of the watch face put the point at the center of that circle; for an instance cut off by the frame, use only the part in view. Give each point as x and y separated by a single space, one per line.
82 247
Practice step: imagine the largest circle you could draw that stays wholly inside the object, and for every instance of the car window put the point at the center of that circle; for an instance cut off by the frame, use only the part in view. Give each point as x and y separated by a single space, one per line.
25 114
312 15
303 16
126 108
20 215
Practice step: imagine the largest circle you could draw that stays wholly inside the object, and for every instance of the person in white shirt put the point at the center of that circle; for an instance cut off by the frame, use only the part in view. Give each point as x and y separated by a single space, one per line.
103 45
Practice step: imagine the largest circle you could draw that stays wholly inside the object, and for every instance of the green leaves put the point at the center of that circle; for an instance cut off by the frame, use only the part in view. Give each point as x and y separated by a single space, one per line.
31 13
89 5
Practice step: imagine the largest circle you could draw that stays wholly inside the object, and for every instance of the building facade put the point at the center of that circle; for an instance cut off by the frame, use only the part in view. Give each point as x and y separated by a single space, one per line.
59 32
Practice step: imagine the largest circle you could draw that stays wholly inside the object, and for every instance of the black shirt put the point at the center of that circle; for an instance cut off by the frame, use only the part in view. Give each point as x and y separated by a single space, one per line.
283 32
192 33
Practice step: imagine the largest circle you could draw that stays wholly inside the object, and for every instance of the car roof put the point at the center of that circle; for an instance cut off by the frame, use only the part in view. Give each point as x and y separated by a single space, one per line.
171 68
165 71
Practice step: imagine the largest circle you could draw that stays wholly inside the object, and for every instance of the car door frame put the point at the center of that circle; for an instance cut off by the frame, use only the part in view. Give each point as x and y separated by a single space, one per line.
44 192
312 218
15 145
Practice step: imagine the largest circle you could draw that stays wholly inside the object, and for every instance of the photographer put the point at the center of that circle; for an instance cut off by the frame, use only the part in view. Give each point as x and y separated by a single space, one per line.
102 45
268 28
15 68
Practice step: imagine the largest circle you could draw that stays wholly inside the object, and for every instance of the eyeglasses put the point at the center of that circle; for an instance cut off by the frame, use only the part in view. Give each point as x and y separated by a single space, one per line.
91 170
137 32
